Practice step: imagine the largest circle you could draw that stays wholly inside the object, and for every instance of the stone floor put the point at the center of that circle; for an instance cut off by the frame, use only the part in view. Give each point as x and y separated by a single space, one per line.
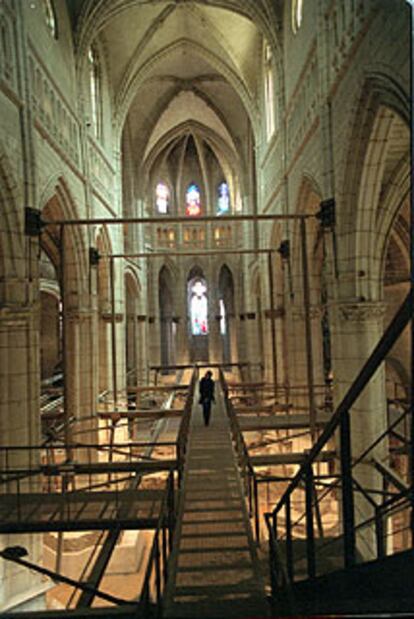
214 566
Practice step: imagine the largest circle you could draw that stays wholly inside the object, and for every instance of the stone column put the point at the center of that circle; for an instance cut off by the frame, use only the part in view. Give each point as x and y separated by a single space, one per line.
357 330
214 337
20 425
142 351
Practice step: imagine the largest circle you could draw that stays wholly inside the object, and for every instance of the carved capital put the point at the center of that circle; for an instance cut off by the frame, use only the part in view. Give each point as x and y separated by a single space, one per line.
278 312
15 317
362 312
108 317
78 315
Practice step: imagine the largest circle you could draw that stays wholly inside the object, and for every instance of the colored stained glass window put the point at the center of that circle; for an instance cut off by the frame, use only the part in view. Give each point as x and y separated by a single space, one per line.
223 199
198 309
192 201
162 198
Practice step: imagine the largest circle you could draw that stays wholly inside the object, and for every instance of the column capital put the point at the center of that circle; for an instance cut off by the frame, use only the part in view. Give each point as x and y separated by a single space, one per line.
16 316
362 311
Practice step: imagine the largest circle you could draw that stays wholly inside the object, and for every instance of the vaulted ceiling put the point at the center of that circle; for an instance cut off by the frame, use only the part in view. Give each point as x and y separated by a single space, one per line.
175 61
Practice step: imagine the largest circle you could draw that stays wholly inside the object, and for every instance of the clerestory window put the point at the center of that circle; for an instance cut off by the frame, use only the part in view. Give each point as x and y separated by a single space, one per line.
192 201
50 17
297 15
95 92
269 91
223 198
162 198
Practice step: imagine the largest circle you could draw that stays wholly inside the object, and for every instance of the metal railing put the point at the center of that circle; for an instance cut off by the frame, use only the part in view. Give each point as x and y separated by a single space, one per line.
384 503
156 575
247 472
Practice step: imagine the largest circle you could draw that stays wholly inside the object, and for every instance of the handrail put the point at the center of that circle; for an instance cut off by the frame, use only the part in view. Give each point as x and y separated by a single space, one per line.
247 469
304 476
158 558
394 330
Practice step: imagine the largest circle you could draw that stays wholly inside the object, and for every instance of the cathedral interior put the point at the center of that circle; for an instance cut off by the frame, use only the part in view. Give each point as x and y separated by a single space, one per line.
193 185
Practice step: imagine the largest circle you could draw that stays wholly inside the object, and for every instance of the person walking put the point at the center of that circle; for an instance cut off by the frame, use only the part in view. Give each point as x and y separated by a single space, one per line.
206 395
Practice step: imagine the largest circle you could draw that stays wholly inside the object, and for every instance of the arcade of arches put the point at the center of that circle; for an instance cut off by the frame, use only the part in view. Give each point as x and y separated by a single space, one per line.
206 117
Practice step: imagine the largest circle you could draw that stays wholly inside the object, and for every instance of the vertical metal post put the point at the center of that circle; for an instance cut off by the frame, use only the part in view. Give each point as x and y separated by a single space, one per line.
348 515
289 544
157 572
66 428
412 285
256 511
272 320
310 536
379 532
113 332
308 331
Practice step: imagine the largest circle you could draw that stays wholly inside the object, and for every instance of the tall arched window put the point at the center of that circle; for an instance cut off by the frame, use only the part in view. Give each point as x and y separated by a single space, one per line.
162 198
223 198
192 201
297 14
269 91
6 54
50 17
198 307
95 92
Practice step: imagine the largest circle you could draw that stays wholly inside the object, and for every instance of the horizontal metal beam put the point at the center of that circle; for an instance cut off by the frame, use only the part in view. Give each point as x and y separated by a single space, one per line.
65 526
289 458
200 252
173 220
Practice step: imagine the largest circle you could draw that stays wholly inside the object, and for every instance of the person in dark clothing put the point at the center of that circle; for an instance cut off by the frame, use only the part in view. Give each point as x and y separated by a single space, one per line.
206 395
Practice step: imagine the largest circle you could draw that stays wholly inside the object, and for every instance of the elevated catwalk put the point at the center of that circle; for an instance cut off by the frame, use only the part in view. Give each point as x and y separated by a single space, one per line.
214 568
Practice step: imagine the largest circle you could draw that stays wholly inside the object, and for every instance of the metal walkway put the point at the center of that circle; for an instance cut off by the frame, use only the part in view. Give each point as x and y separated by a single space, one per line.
213 570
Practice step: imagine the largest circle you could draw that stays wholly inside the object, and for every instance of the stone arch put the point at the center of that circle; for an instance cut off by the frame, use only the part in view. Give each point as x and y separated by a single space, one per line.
381 104
57 204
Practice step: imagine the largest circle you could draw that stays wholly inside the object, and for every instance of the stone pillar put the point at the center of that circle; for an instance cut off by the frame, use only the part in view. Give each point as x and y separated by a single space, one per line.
357 330
20 425
181 335
142 350
214 337
254 342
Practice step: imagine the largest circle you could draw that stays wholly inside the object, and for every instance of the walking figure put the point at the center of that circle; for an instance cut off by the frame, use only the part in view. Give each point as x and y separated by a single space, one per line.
206 395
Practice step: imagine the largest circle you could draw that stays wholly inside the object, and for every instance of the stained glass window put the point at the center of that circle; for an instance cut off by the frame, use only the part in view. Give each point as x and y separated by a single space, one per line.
192 201
297 13
223 329
223 199
50 17
162 198
269 92
95 92
198 308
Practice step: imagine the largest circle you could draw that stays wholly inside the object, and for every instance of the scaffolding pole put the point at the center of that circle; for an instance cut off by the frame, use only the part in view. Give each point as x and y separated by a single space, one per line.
113 333
272 319
174 220
308 332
